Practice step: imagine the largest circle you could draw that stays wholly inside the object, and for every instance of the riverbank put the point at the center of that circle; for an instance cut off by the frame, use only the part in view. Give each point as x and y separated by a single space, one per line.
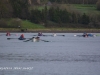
51 30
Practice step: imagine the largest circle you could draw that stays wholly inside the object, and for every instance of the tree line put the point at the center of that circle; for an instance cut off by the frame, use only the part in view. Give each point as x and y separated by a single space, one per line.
74 1
52 17
63 18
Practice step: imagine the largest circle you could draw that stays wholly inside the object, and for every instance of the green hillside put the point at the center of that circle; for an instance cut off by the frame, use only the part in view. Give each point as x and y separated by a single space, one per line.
16 23
86 8
49 13
28 24
81 8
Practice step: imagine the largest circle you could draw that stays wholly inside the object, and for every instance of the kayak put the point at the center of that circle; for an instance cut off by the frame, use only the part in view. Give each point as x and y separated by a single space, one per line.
21 38
35 39
88 35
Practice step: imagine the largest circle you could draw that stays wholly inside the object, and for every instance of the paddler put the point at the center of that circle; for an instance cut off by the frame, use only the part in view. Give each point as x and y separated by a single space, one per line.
21 37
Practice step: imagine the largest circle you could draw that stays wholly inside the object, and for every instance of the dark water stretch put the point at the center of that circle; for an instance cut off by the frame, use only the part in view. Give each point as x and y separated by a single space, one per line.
62 55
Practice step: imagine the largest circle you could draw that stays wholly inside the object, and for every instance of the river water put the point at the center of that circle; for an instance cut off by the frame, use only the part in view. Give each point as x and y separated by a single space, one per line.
62 55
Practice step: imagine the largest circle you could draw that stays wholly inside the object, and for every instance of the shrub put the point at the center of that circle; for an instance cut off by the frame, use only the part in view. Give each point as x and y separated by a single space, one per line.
3 24
15 23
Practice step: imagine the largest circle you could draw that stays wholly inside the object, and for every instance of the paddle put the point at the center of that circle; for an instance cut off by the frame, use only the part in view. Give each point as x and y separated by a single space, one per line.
45 40
17 38
31 39
41 35
28 40
53 35
35 35
11 38
7 35
49 35
60 35
79 35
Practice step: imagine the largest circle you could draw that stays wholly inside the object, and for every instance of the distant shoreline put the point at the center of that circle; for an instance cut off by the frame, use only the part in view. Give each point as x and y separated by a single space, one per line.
51 30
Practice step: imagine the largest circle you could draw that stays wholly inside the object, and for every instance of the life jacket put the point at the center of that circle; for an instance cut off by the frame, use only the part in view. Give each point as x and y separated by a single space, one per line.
85 35
7 34
39 34
21 37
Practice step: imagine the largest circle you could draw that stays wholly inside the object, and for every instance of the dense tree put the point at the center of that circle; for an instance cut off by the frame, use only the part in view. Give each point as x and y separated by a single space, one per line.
85 19
44 1
2 8
75 1
20 8
59 16
5 9
45 15
65 16
55 14
74 18
36 16
51 13
98 5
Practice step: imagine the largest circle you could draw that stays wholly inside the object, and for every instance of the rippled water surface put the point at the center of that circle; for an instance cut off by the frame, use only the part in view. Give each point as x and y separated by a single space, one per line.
62 55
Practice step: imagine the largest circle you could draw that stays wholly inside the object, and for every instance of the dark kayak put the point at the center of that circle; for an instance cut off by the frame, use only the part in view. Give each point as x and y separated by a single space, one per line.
88 35
21 38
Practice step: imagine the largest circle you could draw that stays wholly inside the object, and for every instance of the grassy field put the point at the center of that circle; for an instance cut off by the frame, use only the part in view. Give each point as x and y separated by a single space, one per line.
79 7
28 24
86 8
39 7
23 23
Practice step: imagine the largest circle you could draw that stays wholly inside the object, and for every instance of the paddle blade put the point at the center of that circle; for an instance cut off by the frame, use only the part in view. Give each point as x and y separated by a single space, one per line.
45 40
28 40
62 35
15 38
8 38
11 38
